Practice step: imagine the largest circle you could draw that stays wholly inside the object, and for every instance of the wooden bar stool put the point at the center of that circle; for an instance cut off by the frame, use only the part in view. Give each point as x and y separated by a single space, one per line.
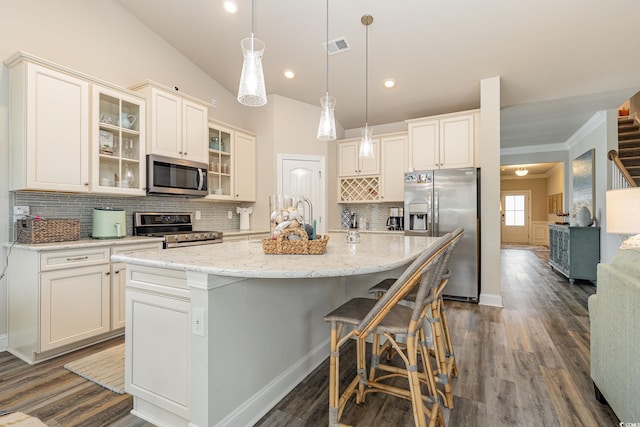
385 317
442 350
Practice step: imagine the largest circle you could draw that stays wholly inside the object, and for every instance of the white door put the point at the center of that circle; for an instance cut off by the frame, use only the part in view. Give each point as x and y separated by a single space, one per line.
304 175
515 216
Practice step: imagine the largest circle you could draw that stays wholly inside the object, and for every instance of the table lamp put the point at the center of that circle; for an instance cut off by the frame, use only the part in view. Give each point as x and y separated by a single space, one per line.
623 214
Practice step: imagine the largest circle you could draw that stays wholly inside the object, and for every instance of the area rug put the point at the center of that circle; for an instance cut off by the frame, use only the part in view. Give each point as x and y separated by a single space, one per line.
105 368
21 420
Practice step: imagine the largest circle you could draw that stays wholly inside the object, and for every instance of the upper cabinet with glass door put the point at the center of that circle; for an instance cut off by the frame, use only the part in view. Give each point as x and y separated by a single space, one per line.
220 162
118 143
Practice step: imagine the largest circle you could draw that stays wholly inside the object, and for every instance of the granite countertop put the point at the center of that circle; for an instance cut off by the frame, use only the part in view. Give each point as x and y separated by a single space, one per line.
243 232
374 253
85 243
344 230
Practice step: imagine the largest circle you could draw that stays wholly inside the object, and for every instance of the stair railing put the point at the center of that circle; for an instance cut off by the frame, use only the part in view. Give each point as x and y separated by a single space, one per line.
620 176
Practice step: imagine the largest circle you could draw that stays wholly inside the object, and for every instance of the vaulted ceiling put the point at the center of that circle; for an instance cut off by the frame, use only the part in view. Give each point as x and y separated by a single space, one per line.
559 61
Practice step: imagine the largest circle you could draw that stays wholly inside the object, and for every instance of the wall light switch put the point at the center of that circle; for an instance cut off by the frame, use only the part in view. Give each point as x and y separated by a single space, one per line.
198 215
230 214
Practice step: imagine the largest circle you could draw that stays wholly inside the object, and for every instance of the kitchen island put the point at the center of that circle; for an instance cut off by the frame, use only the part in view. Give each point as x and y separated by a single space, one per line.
218 334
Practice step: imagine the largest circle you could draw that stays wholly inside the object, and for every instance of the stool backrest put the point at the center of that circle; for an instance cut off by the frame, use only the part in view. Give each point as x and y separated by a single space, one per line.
426 261
432 278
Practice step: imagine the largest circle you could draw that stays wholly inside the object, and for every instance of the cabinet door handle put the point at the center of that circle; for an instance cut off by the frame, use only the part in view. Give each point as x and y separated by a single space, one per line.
80 258
117 271
107 273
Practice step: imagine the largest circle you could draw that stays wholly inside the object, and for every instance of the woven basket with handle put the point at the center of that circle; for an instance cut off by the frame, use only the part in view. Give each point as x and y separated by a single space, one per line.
283 246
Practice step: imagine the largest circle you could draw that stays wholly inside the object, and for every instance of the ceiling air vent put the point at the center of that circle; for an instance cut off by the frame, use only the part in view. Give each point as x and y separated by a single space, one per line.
337 45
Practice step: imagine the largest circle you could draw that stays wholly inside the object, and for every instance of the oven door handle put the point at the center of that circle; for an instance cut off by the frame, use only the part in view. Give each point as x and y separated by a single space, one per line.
200 178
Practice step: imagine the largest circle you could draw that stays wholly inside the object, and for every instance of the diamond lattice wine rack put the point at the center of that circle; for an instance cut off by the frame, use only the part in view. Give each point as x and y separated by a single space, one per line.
360 189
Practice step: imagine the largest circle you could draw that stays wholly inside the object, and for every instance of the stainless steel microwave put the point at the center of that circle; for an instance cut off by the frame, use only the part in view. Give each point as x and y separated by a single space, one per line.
176 177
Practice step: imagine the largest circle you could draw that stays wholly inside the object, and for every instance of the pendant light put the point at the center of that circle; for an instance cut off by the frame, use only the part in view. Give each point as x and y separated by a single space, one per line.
327 125
251 91
366 143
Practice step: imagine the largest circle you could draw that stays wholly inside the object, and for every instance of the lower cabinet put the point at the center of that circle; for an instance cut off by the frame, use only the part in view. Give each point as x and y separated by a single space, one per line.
158 346
574 251
61 300
118 285
74 305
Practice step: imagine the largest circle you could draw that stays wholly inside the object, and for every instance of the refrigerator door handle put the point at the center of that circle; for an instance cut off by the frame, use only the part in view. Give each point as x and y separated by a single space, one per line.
436 213
429 216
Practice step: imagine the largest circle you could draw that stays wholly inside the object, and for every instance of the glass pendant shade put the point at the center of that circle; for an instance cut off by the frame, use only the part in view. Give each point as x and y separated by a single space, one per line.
366 143
327 125
251 91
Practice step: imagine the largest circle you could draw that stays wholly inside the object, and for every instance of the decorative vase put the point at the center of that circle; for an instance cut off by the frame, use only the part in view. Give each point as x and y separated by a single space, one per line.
584 217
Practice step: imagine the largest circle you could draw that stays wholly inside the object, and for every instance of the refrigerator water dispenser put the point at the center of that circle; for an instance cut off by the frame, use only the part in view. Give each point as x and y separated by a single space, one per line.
419 217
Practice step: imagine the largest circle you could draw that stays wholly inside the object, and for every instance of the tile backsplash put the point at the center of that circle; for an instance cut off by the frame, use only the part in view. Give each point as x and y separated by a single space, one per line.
66 205
376 213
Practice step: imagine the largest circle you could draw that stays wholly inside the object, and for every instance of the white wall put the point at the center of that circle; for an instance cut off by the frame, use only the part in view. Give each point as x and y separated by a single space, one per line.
287 127
491 289
599 133
555 185
4 199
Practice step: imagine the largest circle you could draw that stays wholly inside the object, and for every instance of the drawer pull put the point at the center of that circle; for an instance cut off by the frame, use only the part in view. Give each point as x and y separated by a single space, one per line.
79 258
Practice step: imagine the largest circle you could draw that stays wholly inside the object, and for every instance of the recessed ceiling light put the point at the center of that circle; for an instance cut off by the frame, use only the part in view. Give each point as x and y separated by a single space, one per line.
230 6
289 73
389 83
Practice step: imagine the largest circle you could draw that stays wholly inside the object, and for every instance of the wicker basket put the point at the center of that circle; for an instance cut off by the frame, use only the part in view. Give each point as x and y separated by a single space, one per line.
48 230
282 246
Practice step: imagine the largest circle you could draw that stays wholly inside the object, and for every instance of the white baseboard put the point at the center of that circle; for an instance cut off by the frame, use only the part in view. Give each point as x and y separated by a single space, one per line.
490 299
260 403
4 342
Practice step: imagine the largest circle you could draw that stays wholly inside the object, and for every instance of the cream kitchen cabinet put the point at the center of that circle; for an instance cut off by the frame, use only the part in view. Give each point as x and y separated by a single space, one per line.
49 138
232 165
176 123
245 167
119 280
118 142
74 305
442 142
380 179
349 162
63 299
393 161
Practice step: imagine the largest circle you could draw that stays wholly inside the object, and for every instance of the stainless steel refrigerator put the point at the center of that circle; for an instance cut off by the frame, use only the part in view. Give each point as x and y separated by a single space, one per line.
437 202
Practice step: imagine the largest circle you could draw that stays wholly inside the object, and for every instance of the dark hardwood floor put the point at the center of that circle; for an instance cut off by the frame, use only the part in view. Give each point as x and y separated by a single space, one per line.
60 398
526 364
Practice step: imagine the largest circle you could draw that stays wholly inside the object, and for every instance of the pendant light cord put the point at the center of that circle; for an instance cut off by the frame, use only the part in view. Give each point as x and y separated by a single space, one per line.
366 77
327 48
253 6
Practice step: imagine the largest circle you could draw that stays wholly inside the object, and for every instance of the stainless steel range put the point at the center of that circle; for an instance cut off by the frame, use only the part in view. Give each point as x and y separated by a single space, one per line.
175 227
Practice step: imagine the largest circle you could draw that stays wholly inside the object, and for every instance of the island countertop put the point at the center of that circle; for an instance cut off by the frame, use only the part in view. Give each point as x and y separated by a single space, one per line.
374 253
